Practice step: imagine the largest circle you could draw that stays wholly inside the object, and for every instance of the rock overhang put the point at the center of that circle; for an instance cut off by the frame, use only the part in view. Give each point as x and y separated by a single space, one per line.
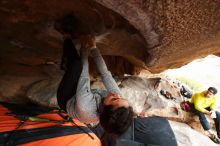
133 35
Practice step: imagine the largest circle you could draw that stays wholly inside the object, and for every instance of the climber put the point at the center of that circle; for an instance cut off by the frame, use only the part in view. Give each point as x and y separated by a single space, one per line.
91 106
204 103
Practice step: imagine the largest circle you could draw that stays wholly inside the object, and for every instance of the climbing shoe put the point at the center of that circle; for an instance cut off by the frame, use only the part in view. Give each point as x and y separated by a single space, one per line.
214 138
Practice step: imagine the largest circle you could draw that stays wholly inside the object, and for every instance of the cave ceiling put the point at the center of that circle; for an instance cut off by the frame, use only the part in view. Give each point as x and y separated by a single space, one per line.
131 34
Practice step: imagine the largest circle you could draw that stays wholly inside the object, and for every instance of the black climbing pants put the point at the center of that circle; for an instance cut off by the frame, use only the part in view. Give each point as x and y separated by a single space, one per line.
71 63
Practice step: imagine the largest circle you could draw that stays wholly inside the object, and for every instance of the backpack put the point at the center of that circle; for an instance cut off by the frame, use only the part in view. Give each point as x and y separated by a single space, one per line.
31 125
186 106
186 92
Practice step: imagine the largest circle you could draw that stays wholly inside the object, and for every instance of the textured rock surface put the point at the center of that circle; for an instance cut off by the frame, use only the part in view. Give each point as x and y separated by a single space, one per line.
185 28
186 136
155 35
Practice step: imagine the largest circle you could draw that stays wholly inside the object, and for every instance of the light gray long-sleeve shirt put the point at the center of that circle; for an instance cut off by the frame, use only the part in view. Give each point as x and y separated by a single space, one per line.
84 105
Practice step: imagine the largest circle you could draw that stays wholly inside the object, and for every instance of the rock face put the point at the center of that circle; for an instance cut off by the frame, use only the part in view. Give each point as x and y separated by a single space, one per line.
132 35
184 28
143 34
188 137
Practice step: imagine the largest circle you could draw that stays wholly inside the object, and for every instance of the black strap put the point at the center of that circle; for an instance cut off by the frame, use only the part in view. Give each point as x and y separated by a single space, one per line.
97 105
30 135
27 110
133 122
